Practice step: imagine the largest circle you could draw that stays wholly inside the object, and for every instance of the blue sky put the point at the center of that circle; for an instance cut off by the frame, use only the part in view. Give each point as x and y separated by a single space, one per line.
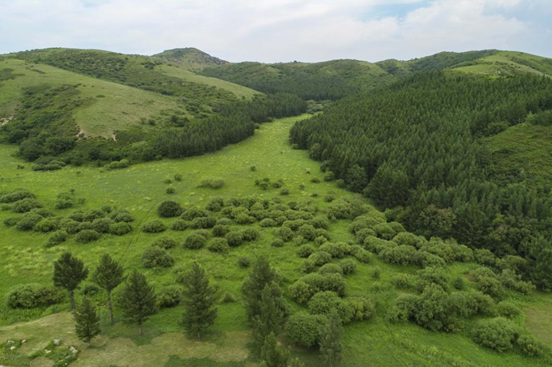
280 30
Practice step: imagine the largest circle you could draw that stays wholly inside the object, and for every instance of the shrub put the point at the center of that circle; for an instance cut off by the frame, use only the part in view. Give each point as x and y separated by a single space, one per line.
169 296
363 256
87 235
122 216
29 296
28 221
84 226
307 266
306 330
508 310
329 282
498 334
320 258
323 303
277 242
485 257
155 226
219 245
400 255
155 257
459 283
178 177
123 163
244 262
305 251
165 242
531 346
212 184
25 205
347 266
333 249
64 200
268 222
491 286
401 281
377 245
192 213
101 225
376 273
300 292
224 222
429 276
16 195
285 233
10 222
307 231
315 180
120 229
407 239
330 269
180 225
220 230
228 298
169 209
234 238
203 222
194 241
215 204
361 308
384 230
56 238
250 234
45 226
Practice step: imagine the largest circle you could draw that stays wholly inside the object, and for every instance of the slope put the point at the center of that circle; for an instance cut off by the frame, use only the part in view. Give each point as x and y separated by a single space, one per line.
319 81
189 58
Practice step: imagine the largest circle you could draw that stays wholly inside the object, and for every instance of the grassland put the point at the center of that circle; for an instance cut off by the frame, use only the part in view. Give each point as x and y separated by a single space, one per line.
140 189
509 63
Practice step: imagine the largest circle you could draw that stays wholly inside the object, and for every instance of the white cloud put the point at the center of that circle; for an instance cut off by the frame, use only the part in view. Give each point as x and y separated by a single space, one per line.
275 30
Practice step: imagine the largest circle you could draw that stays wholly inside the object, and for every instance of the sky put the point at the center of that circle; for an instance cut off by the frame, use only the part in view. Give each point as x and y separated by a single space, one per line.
280 30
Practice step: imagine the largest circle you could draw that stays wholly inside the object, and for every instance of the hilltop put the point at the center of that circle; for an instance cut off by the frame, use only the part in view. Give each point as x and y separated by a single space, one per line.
189 58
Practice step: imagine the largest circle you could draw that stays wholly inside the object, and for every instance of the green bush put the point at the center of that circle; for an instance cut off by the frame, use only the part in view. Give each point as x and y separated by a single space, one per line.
330 269
328 282
155 257
194 241
87 235
268 222
429 276
180 225
169 296
120 228
191 213
333 249
28 221
215 204
498 334
305 251
361 308
400 255
169 209
531 346
16 195
401 281
320 258
102 225
301 292
491 286
306 330
165 242
45 226
250 234
155 226
407 239
25 205
234 238
277 242
244 262
220 230
285 233
12 221
347 266
219 245
508 310
56 238
323 303
203 222
29 296
212 184
122 216
363 256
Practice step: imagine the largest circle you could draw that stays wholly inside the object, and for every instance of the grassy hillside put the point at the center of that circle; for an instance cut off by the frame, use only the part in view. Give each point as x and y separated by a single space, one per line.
319 81
111 106
140 188
485 62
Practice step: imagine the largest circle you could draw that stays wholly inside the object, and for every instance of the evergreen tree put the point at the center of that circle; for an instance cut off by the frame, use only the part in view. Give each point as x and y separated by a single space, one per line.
330 346
87 322
199 298
108 275
270 317
261 275
138 299
69 272
272 354
541 271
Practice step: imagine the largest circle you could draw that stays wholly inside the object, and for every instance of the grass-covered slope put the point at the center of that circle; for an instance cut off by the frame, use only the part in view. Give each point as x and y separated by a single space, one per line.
319 81
189 58
141 188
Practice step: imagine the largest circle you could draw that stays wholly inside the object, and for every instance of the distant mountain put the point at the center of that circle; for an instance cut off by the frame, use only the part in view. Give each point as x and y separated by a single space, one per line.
189 58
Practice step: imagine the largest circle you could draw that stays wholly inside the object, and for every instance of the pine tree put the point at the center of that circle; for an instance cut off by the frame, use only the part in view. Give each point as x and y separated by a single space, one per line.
270 317
199 298
108 275
330 346
69 272
261 275
87 322
541 269
273 355
138 299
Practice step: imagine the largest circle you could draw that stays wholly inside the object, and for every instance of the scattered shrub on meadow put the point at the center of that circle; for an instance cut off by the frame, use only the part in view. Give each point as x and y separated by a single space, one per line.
203 223
244 262
56 238
306 330
120 228
16 195
212 184
330 269
180 225
285 233
498 334
45 226
169 209
102 225
87 235
531 346
194 241
277 242
508 310
250 234
169 296
234 238
220 230
165 242
323 303
215 204
320 258
155 257
155 226
219 245
401 281
25 205
29 296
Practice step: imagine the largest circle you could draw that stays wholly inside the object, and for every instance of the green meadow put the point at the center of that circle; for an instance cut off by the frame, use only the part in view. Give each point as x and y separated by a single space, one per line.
140 189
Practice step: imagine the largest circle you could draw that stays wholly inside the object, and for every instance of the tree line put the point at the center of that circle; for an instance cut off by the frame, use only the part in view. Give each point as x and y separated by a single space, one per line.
418 148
